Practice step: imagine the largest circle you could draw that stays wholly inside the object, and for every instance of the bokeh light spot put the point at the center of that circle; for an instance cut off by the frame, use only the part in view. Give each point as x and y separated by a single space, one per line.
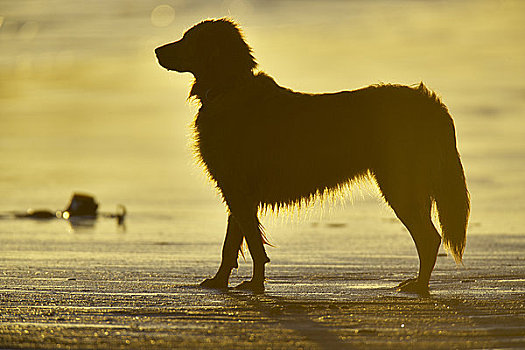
162 16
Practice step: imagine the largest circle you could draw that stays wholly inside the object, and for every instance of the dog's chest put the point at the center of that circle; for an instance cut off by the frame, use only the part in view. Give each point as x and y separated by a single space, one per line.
222 139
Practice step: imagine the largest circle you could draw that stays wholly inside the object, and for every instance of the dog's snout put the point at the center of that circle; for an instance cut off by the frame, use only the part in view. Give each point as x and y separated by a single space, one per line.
167 47
159 51
171 57
164 55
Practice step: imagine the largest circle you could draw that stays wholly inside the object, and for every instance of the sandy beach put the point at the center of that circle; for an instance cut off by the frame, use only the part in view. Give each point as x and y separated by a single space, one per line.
139 292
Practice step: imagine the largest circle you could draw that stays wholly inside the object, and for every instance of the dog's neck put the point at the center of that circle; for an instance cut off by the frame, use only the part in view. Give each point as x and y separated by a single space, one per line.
206 89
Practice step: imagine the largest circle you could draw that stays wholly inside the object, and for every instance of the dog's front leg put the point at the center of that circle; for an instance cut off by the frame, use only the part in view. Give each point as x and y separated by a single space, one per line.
252 232
230 252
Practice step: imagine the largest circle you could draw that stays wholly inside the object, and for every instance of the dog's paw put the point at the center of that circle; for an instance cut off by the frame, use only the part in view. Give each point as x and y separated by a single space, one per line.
253 286
214 283
413 286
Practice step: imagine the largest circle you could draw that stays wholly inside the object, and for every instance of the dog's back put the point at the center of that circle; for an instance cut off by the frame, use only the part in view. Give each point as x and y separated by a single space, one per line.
288 147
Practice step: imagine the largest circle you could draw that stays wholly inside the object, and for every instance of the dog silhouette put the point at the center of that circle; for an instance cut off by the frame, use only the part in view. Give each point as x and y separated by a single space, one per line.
268 147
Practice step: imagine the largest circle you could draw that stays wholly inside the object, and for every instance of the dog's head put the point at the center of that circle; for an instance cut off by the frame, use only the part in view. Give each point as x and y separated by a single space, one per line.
212 48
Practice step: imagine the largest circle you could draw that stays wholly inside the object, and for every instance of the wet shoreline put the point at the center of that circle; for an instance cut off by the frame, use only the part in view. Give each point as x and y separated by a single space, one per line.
98 302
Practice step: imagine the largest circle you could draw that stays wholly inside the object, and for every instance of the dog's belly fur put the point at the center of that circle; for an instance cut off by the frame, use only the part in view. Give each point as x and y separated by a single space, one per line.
275 147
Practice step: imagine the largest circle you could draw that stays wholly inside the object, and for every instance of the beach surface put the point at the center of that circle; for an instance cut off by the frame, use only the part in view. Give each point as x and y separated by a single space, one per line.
136 292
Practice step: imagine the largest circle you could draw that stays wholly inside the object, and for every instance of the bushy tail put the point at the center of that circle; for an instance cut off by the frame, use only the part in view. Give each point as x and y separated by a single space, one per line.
451 195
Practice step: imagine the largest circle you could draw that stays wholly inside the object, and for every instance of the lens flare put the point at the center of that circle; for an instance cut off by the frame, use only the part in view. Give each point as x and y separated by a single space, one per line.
162 16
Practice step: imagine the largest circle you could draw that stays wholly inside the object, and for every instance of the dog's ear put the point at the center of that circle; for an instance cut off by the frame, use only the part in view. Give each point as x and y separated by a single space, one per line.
230 54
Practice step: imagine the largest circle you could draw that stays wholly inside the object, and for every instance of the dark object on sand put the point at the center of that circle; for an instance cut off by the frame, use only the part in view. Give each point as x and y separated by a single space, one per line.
36 214
81 207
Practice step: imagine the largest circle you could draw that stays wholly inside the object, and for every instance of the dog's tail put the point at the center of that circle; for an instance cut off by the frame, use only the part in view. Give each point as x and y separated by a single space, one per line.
450 192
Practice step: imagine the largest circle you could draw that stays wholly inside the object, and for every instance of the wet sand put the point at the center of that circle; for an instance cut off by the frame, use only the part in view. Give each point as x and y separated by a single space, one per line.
136 294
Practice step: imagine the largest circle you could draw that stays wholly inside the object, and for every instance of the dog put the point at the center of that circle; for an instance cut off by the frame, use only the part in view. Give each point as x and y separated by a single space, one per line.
268 147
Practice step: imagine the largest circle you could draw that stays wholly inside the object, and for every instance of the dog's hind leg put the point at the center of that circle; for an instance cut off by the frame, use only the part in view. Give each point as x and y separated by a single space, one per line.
230 252
412 204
